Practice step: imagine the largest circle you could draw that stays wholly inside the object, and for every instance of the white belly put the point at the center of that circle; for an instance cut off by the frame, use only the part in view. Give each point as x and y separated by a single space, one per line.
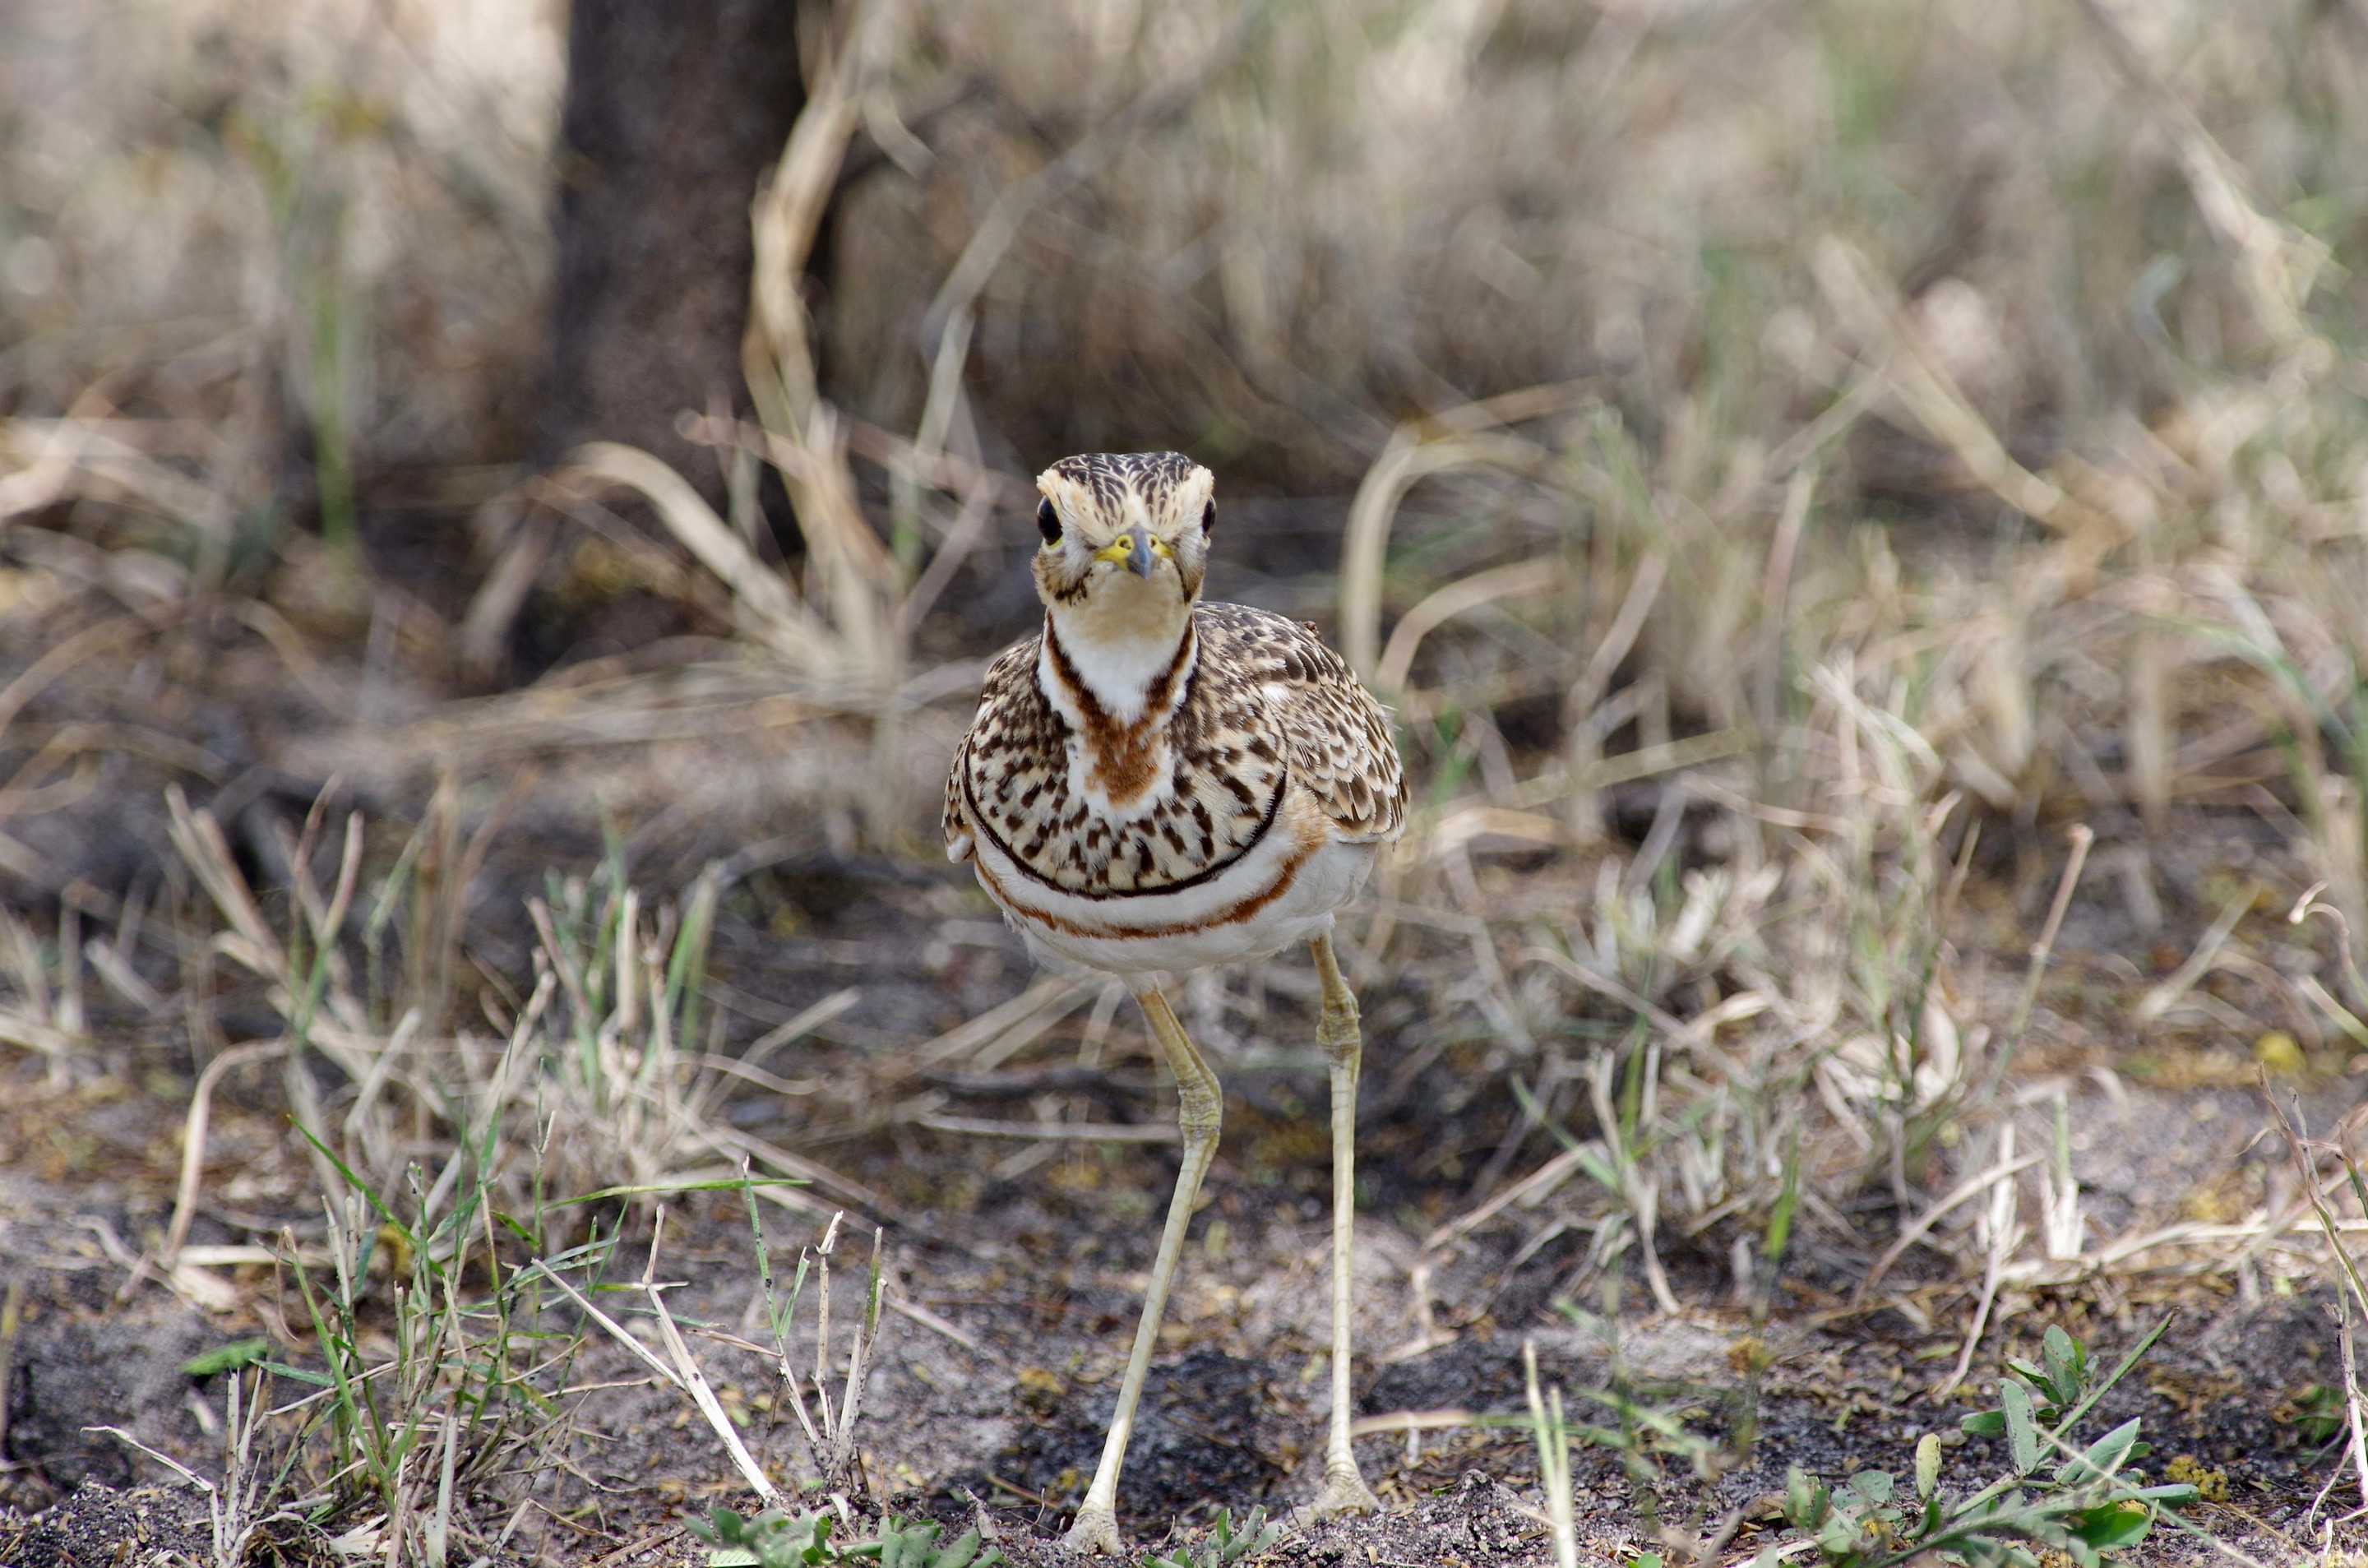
1282 892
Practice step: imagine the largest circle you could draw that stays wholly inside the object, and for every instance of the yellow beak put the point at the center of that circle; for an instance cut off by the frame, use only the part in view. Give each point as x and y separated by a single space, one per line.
1135 549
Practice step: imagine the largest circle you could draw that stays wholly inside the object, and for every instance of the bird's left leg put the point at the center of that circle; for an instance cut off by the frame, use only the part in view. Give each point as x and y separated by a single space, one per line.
1200 1110
1336 1030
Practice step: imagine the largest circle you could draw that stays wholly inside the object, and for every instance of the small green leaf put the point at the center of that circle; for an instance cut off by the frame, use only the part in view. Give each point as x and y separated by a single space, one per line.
1874 1486
2065 1361
282 1369
1928 1465
1988 1423
229 1358
2173 1494
2113 1526
1804 1500
2021 1435
2106 1455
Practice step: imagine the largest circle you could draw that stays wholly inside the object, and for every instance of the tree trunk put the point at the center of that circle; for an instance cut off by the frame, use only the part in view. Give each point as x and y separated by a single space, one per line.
674 108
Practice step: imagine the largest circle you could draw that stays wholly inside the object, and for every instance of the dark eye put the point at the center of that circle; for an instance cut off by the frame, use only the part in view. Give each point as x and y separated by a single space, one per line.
1208 517
1048 521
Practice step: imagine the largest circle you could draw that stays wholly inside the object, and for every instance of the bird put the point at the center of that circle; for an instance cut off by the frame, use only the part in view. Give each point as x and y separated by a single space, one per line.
1154 783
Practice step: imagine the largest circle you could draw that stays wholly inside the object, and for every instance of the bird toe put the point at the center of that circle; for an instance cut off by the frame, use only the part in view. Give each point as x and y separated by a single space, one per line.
1095 1532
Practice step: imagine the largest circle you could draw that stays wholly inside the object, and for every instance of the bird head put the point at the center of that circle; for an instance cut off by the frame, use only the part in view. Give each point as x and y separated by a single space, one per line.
1126 543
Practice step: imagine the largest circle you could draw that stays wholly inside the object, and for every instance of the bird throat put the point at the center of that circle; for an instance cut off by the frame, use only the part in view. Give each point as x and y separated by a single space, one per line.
1117 686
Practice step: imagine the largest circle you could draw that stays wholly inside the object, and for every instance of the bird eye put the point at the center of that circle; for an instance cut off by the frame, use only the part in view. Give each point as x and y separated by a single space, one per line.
1048 521
1208 517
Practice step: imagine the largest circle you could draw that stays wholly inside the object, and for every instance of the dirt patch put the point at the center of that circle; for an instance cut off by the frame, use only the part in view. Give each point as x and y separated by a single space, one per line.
100 1526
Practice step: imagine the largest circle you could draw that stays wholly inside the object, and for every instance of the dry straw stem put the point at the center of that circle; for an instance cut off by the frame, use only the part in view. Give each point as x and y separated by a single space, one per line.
777 354
84 457
944 328
1970 1187
2352 1295
1469 435
2081 837
2344 1018
193 1143
2277 263
1870 308
693 1380
2005 1236
2161 998
779 620
1553 1460
1519 579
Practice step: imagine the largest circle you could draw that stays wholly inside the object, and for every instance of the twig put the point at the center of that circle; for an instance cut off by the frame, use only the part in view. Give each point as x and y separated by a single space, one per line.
168 1460
2082 836
12 1317
2277 263
1971 1186
694 1382
2002 1208
193 1144
1521 579
2163 997
1074 1131
2352 1290
616 1330
1553 1460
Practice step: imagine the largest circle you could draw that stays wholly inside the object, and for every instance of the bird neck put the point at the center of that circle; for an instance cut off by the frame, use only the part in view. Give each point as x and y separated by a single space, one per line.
1126 664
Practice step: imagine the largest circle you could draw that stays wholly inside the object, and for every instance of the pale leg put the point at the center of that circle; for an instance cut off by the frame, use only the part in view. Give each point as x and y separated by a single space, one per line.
1344 1489
1201 1107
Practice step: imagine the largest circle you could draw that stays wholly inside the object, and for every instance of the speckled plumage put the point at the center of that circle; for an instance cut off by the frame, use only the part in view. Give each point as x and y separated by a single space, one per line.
1267 708
1199 794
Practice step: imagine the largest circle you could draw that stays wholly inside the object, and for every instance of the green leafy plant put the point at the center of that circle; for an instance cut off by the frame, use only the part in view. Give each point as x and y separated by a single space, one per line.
2088 1504
776 1540
1644 1434
2038 1393
228 1358
1226 1543
2316 1414
915 1545
769 1541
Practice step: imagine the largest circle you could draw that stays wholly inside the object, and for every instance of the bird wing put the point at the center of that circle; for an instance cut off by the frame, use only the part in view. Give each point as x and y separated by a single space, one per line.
1335 736
1008 704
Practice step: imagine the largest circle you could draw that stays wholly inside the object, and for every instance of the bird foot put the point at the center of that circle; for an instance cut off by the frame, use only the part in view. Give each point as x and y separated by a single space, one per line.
1345 1492
1094 1531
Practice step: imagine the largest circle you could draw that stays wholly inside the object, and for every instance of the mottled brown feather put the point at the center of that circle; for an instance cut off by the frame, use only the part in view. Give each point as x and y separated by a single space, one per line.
1268 709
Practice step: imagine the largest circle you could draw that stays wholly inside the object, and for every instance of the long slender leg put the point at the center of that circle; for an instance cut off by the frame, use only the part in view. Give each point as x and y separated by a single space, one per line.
1344 1489
1200 1110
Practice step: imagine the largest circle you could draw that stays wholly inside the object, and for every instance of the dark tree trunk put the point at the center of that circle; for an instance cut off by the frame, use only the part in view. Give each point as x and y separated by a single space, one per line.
674 108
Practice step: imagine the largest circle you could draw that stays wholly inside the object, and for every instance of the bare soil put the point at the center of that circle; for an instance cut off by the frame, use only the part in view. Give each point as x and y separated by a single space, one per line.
988 1403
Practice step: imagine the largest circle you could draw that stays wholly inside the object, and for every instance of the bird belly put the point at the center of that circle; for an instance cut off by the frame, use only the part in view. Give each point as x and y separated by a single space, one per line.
1282 892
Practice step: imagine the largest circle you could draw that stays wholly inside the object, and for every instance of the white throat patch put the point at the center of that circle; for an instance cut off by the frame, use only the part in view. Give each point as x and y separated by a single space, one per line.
1119 672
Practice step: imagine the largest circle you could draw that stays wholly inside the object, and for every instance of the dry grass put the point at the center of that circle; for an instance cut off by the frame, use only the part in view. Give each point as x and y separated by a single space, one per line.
1845 439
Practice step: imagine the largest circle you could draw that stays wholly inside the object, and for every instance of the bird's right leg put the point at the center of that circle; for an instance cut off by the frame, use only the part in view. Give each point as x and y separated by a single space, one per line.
1200 1109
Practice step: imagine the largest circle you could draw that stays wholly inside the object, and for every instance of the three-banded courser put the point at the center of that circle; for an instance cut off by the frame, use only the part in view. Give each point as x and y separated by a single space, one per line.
1153 784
